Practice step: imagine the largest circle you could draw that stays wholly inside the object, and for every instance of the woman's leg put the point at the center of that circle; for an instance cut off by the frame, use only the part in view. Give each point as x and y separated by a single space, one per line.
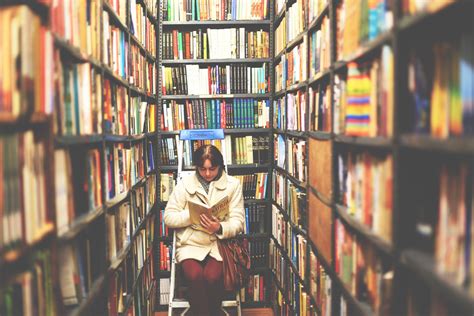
213 276
194 272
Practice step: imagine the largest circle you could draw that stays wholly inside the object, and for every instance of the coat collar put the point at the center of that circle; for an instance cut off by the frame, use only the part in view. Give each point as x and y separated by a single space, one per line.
191 183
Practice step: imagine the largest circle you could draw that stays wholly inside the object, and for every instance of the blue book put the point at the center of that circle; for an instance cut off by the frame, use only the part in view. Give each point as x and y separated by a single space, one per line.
466 70
247 229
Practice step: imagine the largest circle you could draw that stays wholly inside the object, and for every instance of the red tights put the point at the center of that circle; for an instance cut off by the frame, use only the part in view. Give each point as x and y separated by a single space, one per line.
206 285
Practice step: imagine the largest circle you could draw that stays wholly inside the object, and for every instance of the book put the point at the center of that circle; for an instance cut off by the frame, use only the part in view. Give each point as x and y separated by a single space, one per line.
220 210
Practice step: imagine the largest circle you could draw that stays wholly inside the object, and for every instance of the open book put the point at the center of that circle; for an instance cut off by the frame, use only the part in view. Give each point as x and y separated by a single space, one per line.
220 210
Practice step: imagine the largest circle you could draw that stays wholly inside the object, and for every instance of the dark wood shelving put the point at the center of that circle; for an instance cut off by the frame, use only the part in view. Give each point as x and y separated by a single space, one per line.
320 135
280 93
319 76
9 256
277 57
317 21
166 62
365 231
217 96
423 265
80 223
294 42
298 134
320 196
279 16
458 145
173 24
109 72
407 23
115 18
365 49
117 200
97 287
381 142
63 141
297 86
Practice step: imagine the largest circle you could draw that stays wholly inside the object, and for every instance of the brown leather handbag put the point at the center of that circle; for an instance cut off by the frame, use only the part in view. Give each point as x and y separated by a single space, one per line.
236 261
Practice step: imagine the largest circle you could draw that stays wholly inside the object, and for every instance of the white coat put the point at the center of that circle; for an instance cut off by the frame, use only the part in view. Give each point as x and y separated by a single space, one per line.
196 244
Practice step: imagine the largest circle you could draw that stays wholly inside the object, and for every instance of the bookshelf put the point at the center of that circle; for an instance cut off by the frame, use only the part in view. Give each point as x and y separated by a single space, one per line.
215 72
376 194
84 194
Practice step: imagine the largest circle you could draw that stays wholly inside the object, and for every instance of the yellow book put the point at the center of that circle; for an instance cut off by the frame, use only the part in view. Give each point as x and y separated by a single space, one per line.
220 210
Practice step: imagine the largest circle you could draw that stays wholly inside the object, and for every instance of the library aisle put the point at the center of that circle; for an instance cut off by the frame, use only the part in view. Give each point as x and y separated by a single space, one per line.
349 123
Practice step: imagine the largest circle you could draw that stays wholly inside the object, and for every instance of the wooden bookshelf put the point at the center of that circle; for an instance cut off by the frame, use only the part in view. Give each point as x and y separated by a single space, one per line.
73 53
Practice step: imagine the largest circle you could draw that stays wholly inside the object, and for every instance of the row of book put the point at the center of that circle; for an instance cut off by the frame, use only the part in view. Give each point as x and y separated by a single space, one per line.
125 220
30 292
296 110
79 99
165 256
77 174
82 264
279 113
296 64
281 37
440 81
120 8
163 230
24 207
295 300
292 242
414 6
294 23
296 158
227 43
280 151
315 8
239 150
167 184
255 290
320 48
320 284
115 48
296 205
214 80
358 22
254 186
201 10
126 166
142 71
320 110
366 103
26 86
199 114
319 98
142 27
364 186
454 238
278 189
255 219
280 72
79 24
247 149
362 270
121 286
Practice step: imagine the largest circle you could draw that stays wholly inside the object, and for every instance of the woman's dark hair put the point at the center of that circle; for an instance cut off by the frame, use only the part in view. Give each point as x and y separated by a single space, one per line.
208 152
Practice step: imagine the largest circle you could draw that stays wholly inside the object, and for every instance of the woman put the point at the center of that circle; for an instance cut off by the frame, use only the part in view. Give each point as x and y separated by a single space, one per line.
196 249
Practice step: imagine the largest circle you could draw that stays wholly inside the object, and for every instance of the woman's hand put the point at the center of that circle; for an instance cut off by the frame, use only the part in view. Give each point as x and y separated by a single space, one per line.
211 224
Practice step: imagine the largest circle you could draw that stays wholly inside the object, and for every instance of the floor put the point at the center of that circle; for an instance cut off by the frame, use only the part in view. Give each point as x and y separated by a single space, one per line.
245 312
